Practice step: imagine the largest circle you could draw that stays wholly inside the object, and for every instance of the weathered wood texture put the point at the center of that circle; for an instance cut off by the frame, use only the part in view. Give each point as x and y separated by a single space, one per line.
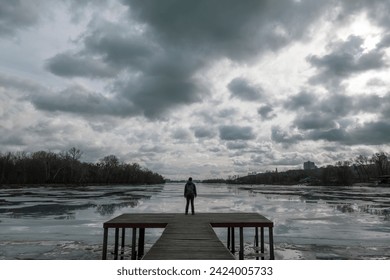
189 236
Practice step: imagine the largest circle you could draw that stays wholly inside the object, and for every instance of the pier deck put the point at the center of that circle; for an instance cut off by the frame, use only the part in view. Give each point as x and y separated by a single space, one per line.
187 236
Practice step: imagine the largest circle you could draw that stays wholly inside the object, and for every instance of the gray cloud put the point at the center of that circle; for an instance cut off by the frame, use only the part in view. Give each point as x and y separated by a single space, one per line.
290 159
242 89
227 113
385 107
181 134
221 29
237 145
322 112
151 151
74 65
157 84
270 157
266 112
315 120
15 15
204 132
160 78
120 45
330 118
154 96
332 135
303 99
21 85
375 82
371 103
371 133
154 57
377 10
164 44
385 42
235 132
283 137
79 8
336 105
345 59
77 99
10 137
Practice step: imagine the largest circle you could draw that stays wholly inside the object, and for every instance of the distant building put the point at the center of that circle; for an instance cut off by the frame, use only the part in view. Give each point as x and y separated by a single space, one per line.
309 165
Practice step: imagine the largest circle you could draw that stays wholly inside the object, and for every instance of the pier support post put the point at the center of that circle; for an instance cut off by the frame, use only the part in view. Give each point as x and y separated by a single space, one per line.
141 243
105 240
257 241
228 238
262 242
116 249
133 244
271 244
233 249
241 253
123 244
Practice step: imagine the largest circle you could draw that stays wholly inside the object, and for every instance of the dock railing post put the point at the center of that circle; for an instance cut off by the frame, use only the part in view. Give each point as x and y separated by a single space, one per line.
105 240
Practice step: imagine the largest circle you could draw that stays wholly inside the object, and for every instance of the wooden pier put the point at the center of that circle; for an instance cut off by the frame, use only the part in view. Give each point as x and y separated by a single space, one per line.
188 236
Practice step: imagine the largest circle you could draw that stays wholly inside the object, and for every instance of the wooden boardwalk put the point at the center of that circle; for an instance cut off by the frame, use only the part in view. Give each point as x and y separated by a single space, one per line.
187 236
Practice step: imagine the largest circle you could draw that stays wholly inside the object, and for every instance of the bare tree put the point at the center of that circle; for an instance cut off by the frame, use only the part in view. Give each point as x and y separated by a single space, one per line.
381 161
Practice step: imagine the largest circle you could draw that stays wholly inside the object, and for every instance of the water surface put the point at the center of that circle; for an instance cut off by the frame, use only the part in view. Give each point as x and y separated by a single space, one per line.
310 222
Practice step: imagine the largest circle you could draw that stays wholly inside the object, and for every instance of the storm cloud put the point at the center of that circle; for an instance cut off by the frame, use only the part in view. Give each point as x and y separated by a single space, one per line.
235 132
71 65
242 89
331 118
266 112
16 15
169 45
345 59
239 85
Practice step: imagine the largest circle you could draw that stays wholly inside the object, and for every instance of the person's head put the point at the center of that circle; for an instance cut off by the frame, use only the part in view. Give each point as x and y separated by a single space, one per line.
190 179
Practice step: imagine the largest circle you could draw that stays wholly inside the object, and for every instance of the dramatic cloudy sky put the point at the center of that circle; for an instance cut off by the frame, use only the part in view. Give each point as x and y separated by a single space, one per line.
208 88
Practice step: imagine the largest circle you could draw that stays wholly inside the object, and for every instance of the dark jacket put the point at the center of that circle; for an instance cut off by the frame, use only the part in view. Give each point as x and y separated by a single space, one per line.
190 189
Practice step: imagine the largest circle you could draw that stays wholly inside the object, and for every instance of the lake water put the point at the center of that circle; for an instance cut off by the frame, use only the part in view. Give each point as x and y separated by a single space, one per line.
310 222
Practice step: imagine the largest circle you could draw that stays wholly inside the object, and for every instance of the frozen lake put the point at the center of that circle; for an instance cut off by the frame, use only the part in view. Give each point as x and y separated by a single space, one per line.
310 222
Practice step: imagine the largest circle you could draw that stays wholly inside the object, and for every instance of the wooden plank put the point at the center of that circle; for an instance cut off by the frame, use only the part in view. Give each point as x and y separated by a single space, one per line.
195 241
189 236
159 220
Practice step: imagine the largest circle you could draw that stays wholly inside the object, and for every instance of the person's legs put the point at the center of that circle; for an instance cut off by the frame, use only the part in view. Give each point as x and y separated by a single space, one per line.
187 204
192 205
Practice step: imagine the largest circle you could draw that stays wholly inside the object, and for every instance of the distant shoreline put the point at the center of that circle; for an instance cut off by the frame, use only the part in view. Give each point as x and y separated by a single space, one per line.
16 186
20 186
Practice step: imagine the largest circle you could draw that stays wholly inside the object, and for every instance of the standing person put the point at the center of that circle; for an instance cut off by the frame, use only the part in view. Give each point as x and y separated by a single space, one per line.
190 194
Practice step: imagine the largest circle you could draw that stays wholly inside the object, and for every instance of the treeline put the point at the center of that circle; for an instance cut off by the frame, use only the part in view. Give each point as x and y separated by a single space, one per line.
66 168
361 169
214 181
